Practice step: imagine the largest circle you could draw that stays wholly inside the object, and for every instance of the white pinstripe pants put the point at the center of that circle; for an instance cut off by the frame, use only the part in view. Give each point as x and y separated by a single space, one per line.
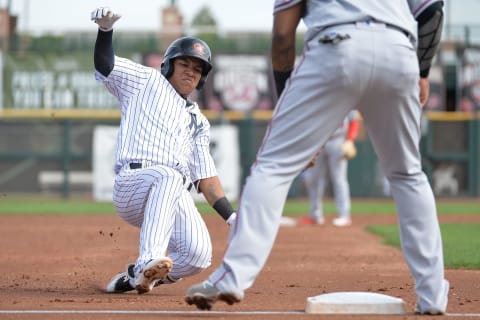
156 200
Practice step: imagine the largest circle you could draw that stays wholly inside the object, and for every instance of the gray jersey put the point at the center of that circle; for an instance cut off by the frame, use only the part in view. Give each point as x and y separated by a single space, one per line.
321 14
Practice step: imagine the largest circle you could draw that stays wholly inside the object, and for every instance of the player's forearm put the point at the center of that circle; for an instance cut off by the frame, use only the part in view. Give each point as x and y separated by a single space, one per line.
352 130
283 43
215 195
283 59
103 56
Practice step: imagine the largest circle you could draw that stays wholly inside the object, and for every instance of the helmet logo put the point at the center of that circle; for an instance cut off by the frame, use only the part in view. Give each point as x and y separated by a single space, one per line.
199 48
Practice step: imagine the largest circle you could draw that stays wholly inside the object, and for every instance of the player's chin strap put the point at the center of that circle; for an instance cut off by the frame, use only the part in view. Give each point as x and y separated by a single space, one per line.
430 25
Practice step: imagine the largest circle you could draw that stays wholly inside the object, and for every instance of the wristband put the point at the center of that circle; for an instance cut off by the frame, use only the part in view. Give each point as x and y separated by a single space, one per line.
223 207
280 78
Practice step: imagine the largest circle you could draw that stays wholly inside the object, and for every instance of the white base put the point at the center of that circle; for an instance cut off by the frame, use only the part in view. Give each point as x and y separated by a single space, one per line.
355 303
287 222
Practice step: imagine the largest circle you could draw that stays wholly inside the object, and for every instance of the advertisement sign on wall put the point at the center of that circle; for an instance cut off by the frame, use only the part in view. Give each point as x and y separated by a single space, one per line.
223 147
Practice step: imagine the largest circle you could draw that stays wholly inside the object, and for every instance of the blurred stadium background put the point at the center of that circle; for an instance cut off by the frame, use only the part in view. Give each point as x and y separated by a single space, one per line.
52 111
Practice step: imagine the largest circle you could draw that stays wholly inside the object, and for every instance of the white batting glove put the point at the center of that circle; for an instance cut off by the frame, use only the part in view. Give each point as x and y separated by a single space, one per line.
105 18
232 218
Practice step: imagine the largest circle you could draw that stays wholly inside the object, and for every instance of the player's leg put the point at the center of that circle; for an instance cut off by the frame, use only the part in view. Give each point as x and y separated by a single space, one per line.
190 247
315 101
392 117
316 188
337 166
152 194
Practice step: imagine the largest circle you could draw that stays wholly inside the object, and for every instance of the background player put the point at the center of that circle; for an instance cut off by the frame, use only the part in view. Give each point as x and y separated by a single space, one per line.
163 145
367 55
332 158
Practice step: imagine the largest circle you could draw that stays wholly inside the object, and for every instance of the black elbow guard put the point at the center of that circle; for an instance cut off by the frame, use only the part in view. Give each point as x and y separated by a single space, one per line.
430 24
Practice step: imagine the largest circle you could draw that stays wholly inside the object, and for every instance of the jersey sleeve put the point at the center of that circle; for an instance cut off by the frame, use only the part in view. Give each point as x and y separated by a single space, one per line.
201 164
418 6
353 125
284 4
126 78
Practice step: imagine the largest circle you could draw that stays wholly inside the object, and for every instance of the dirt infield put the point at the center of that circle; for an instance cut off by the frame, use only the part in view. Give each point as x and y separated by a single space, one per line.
63 263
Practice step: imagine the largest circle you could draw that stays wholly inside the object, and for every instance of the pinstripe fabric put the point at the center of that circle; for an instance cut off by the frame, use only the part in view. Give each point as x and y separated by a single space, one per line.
170 138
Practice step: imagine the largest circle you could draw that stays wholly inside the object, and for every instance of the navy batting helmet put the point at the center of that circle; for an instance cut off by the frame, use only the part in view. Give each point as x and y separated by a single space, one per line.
187 47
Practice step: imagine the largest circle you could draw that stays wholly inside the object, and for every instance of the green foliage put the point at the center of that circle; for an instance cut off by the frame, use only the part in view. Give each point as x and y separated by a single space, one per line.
127 43
460 243
204 18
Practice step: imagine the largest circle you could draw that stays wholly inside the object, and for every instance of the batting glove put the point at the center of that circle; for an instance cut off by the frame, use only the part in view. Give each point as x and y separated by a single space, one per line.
105 18
349 150
232 219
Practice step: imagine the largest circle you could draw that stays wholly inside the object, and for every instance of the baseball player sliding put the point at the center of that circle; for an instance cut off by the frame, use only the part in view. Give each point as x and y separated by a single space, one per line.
333 157
369 55
162 152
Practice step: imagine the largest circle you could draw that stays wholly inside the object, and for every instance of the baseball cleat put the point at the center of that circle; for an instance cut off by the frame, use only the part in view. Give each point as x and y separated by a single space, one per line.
342 222
204 295
120 283
154 270
309 220
433 312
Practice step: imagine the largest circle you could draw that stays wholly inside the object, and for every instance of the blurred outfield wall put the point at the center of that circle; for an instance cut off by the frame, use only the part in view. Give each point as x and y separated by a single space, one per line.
51 105
52 152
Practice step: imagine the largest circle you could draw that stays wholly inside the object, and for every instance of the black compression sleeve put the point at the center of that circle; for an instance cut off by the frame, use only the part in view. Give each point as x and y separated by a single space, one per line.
430 24
280 79
103 56
223 207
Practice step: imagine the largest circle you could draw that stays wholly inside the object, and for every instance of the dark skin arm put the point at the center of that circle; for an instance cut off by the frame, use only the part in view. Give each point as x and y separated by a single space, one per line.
215 195
285 24
212 189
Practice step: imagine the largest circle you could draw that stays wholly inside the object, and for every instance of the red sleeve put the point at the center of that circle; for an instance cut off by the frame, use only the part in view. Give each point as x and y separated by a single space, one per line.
352 130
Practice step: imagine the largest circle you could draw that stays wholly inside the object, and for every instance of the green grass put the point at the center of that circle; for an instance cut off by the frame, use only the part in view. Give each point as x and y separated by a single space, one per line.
52 206
292 207
385 206
460 243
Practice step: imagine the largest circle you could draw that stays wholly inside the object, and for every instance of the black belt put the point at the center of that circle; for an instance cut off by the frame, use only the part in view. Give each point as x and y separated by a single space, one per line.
138 165
135 165
394 27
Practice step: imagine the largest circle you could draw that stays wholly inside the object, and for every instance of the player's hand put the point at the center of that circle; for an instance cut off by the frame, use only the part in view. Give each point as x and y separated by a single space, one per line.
105 18
232 218
424 91
349 150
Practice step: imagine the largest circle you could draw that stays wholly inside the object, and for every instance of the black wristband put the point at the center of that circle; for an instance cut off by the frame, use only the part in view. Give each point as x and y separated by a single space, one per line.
280 79
224 208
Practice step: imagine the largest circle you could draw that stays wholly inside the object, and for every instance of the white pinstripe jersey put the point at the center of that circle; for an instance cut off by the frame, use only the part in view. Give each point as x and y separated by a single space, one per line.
323 13
157 126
